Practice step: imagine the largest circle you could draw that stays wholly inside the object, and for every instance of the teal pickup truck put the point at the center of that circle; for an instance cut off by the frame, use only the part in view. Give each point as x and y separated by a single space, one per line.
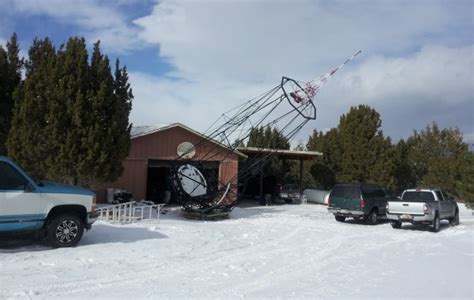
60 212
359 201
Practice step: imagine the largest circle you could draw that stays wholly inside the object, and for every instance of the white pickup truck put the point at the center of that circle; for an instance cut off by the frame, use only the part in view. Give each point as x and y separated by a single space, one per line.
423 206
59 212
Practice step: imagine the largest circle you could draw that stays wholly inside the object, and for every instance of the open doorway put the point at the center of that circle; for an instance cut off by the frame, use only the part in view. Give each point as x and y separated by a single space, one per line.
159 188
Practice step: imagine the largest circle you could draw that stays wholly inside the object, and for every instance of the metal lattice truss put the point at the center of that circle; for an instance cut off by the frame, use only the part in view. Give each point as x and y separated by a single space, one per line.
287 108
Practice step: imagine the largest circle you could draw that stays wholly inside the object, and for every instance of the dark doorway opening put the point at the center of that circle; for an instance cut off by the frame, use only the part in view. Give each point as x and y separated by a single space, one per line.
159 188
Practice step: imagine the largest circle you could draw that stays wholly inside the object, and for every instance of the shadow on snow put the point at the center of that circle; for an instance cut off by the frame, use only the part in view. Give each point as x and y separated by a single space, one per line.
100 234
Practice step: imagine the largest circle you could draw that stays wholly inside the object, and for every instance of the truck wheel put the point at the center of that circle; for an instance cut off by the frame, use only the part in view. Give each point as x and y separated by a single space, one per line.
372 217
340 218
64 231
396 224
435 224
454 220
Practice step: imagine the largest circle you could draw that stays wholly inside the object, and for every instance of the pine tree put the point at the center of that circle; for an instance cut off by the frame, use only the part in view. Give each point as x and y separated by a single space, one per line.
271 138
324 169
10 78
465 185
107 140
71 118
68 111
27 142
437 157
356 151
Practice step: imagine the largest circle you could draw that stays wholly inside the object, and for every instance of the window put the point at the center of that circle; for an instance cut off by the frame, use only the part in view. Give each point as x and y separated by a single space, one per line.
346 191
379 192
440 197
418 196
368 191
10 178
446 196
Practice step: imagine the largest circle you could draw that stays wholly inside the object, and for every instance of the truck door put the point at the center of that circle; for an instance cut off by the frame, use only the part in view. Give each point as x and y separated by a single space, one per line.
443 205
450 207
20 205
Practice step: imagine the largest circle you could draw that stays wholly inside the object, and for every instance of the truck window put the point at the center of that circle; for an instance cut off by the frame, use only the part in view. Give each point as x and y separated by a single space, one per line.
368 191
440 197
379 192
10 178
446 196
418 196
346 192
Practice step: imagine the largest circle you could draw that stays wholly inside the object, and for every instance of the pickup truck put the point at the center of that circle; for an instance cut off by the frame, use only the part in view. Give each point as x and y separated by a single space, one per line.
59 212
359 201
423 206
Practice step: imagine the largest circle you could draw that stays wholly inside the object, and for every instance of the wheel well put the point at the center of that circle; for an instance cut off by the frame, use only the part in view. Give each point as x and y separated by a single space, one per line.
77 210
376 209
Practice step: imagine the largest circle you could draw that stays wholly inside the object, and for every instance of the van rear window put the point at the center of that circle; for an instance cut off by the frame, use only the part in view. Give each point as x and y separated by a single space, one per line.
346 192
418 196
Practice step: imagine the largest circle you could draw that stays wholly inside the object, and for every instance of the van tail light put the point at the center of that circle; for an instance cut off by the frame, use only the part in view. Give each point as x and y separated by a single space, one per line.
362 203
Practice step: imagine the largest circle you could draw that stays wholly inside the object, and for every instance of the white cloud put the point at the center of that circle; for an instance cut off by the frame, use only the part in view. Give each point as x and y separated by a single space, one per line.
228 52
255 40
99 20
434 84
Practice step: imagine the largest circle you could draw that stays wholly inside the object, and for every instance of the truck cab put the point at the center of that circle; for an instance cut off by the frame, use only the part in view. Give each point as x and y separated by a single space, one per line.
60 212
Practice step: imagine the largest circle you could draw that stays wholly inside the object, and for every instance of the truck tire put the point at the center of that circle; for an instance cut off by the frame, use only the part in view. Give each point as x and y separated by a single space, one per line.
435 225
64 230
372 217
340 218
396 224
454 220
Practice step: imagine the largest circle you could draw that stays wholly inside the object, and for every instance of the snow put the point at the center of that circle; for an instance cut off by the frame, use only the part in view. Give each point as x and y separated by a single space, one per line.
147 129
275 252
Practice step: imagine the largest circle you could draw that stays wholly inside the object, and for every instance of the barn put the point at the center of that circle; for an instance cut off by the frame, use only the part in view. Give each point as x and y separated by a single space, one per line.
154 148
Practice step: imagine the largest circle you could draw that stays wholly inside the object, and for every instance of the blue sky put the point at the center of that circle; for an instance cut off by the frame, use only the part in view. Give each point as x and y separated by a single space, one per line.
189 61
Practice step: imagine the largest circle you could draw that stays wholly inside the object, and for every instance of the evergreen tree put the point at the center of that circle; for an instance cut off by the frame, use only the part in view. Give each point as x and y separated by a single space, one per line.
438 157
271 138
403 173
10 78
106 140
364 149
68 111
71 117
27 142
355 151
465 186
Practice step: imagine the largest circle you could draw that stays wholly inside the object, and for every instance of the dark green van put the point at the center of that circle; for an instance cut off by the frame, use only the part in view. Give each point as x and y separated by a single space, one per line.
359 201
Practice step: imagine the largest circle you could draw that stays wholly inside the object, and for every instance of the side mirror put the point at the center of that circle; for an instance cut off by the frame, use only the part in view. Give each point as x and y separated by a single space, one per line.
29 188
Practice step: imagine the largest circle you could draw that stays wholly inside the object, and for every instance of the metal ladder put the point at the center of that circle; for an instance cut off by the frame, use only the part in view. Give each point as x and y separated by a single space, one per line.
128 212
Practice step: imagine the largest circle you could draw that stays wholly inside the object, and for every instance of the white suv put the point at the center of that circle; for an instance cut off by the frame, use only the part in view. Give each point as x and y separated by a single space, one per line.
60 212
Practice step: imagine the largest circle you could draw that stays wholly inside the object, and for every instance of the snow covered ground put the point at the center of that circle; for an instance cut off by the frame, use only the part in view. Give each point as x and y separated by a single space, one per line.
272 252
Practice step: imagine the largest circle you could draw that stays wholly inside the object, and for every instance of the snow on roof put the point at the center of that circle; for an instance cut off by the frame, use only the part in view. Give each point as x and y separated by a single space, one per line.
144 130
286 154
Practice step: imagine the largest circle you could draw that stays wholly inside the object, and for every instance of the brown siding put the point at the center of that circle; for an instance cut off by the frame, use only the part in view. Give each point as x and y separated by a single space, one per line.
162 146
